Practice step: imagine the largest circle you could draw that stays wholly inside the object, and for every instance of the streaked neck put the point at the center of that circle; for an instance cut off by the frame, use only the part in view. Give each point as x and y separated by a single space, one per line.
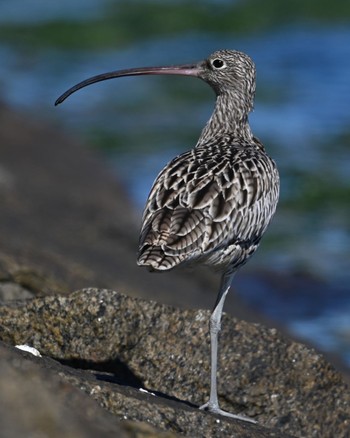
229 117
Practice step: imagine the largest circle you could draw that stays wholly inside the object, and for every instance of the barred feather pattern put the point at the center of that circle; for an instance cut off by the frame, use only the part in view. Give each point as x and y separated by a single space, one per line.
210 205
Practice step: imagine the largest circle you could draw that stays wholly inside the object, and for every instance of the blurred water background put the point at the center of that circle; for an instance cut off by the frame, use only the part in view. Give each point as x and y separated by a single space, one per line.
300 275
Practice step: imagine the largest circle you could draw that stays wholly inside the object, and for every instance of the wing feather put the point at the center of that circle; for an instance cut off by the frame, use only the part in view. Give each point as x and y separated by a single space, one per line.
208 204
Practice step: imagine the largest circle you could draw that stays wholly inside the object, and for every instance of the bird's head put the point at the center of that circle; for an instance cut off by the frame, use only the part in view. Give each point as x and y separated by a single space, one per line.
229 71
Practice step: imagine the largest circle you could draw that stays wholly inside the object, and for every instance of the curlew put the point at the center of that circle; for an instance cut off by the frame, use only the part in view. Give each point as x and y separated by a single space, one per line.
212 204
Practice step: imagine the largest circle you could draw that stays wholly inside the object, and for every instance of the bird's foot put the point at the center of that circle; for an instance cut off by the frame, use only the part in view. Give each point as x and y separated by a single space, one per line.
216 410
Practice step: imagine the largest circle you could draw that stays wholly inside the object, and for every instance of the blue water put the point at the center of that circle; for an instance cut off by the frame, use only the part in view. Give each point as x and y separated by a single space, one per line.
302 103
36 11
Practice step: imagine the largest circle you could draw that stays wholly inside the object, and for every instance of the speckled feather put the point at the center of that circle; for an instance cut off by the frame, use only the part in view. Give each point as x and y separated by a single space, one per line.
212 204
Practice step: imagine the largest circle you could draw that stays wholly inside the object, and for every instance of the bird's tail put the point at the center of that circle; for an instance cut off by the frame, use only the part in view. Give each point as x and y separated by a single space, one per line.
155 259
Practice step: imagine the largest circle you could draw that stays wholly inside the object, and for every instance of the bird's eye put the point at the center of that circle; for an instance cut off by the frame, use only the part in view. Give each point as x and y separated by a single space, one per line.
218 63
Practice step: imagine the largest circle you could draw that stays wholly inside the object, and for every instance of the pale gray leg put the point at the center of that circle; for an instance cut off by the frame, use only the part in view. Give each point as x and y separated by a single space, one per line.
215 325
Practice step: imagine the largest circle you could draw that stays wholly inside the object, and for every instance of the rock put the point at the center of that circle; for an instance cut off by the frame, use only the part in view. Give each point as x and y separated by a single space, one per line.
52 404
124 344
35 401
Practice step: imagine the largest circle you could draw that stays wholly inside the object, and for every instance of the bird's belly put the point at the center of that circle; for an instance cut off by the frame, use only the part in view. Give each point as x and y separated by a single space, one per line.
234 255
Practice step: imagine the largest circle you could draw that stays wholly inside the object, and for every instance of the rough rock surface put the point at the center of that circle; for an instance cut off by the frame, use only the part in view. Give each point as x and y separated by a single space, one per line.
126 343
36 402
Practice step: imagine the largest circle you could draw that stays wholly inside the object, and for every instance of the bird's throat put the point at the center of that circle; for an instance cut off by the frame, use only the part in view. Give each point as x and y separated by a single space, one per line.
230 117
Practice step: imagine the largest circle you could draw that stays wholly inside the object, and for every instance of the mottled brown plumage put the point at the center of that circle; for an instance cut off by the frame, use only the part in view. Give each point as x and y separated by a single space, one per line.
212 204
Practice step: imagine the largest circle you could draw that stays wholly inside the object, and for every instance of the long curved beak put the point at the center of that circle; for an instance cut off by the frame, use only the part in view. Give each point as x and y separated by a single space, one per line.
183 70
